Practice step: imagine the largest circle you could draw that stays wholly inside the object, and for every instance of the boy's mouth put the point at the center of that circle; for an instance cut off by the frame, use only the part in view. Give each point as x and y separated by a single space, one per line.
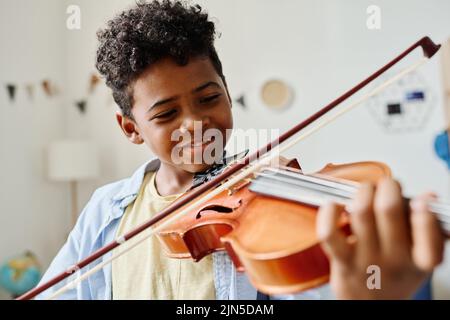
195 150
198 144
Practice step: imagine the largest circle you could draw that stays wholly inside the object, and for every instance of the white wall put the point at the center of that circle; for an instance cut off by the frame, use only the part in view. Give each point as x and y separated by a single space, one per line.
34 213
321 48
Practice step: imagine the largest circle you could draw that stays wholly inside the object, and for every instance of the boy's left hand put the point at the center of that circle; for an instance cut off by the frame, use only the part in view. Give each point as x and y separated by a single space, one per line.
405 248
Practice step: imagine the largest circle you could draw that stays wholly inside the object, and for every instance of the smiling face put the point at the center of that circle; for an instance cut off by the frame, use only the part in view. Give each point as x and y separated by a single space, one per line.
172 103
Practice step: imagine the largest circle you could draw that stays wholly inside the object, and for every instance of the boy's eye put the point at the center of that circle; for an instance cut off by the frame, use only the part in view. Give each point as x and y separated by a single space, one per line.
164 115
210 98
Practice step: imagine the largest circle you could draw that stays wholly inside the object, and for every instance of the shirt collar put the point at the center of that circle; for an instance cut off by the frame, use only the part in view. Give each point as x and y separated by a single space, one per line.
132 185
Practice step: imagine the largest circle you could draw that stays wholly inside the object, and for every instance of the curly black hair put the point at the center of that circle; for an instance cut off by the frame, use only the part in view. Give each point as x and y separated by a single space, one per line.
148 32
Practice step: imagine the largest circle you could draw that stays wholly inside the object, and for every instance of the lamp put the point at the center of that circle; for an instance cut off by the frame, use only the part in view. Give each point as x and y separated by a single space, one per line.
72 161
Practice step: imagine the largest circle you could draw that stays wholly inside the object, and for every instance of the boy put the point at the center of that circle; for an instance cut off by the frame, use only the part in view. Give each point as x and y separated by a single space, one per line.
160 62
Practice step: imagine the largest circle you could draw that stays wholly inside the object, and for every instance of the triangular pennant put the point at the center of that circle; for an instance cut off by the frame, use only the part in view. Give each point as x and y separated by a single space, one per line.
81 105
93 82
241 101
11 91
46 85
30 90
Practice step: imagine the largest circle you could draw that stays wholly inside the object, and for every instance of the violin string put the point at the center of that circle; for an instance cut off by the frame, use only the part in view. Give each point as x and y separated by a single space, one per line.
297 194
347 186
304 183
303 195
294 185
259 163
338 191
438 207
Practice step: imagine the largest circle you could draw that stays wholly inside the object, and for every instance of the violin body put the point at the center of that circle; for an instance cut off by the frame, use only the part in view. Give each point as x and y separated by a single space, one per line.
270 238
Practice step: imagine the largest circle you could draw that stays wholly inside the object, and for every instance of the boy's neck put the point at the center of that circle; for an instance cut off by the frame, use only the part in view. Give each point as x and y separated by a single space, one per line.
170 180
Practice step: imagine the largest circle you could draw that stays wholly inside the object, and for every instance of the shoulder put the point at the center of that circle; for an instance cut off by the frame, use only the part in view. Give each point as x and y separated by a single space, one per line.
108 191
98 210
108 202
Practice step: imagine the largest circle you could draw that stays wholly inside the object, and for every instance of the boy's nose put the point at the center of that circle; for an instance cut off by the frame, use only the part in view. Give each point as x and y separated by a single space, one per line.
191 124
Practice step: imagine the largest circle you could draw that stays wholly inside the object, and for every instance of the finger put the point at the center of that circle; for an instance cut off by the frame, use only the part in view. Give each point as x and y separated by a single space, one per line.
332 238
363 221
427 237
392 222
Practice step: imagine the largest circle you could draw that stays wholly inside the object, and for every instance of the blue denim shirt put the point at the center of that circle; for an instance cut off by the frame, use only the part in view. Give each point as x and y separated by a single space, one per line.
97 227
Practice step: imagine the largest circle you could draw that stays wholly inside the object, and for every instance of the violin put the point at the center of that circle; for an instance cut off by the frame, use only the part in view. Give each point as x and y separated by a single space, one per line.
267 224
263 216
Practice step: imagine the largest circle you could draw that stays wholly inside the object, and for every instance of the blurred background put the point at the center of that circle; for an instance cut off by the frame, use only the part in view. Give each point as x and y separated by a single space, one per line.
55 109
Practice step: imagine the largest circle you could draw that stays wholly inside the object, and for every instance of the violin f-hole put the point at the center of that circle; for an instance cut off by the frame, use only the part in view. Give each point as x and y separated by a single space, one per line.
216 208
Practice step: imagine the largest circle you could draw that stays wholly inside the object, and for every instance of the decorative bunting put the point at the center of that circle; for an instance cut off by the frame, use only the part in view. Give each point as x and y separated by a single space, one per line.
11 91
93 82
81 104
47 87
241 101
30 90
51 89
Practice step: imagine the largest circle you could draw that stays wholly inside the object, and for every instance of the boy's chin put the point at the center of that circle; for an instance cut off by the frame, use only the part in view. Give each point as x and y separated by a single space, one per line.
196 168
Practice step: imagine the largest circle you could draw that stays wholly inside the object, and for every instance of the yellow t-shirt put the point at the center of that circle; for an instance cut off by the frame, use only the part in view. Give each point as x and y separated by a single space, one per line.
145 272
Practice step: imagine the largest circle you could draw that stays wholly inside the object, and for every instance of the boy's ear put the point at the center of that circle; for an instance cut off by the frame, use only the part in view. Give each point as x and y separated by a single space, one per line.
129 128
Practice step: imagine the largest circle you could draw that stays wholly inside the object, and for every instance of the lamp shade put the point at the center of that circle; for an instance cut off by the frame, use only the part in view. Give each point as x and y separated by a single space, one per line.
72 160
